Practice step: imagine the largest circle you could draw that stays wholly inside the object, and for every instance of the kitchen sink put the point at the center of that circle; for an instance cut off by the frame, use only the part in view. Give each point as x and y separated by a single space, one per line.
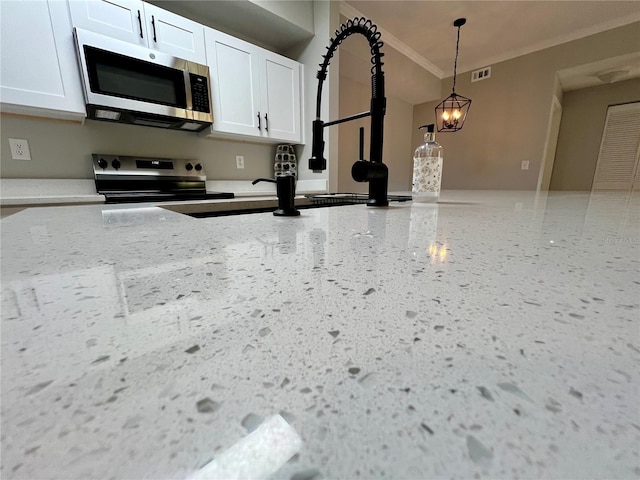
309 201
335 199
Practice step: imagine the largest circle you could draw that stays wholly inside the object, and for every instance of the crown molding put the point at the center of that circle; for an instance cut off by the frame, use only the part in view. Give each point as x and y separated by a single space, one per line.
391 40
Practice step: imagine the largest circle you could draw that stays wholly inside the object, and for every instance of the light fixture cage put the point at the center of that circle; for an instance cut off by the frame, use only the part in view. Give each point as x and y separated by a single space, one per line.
452 112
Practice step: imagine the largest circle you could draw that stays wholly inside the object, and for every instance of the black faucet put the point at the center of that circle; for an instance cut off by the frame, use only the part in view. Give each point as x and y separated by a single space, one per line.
374 171
286 190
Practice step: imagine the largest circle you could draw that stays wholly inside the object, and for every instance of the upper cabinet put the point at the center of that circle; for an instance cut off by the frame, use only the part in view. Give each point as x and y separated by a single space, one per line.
256 93
281 100
141 23
235 84
39 77
121 19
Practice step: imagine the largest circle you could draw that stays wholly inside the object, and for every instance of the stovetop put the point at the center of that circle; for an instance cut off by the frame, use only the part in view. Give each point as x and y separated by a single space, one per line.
163 197
128 179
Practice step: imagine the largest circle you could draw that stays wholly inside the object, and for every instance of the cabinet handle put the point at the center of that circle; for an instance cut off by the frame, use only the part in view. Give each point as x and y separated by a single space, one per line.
153 24
259 122
266 122
140 23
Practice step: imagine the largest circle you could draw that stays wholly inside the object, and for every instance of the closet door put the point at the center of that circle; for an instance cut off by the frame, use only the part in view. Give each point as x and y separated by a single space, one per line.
617 167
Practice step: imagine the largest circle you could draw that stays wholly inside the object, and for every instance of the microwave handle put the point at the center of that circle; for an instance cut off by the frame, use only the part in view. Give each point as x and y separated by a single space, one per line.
140 23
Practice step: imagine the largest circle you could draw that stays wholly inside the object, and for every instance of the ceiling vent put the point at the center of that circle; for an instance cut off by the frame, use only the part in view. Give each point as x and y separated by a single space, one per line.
481 74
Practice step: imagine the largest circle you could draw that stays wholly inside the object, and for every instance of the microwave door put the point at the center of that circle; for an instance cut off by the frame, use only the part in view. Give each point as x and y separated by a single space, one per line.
133 79
129 77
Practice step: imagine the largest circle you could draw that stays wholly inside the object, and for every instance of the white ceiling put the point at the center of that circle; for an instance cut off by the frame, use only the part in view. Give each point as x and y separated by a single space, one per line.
495 30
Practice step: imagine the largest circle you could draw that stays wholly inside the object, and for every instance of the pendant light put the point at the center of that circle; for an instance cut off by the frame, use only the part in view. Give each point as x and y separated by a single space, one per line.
452 111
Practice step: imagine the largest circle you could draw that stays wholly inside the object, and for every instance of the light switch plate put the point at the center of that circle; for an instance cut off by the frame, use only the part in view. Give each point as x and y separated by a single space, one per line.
524 165
19 149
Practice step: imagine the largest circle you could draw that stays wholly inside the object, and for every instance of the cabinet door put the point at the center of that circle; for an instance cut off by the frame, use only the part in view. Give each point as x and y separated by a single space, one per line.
235 85
281 97
175 35
39 77
121 19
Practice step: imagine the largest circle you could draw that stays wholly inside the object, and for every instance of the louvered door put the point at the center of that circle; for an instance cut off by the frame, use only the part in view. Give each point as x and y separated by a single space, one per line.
617 167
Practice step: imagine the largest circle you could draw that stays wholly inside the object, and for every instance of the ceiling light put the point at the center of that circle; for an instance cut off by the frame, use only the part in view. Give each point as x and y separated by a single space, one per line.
452 111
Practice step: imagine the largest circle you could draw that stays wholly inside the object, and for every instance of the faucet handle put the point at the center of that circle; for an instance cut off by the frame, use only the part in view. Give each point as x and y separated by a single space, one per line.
363 171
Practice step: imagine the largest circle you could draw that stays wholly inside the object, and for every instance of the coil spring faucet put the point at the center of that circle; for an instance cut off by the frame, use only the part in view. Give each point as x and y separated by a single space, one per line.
374 171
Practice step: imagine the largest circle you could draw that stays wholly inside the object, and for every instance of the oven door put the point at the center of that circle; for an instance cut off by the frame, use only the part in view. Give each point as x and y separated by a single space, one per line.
127 77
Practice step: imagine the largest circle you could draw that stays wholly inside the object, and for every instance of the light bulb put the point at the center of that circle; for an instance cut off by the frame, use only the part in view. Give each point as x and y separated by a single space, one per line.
456 114
445 116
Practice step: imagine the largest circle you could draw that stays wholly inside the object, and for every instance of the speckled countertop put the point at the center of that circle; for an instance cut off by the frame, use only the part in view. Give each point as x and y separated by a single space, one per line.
493 335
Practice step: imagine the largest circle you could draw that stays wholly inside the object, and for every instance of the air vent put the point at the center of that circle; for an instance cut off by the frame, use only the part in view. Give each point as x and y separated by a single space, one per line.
481 74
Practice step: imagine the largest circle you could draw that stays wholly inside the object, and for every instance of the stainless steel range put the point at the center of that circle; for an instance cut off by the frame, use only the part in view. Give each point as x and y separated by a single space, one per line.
123 179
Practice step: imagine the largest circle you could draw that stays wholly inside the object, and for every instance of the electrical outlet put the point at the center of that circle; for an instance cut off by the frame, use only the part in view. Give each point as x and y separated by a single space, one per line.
239 161
524 165
19 149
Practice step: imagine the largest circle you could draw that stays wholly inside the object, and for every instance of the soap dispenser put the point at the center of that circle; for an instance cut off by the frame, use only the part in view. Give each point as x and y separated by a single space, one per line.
427 168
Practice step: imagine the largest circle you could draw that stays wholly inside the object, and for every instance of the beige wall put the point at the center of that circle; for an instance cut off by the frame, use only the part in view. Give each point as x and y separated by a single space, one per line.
61 149
295 12
508 119
397 151
583 116
326 18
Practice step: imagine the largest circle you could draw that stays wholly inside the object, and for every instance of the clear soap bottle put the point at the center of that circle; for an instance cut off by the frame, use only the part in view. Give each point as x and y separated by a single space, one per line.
427 168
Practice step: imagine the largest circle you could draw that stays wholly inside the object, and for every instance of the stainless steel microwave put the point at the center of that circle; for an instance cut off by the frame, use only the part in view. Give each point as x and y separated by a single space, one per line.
129 83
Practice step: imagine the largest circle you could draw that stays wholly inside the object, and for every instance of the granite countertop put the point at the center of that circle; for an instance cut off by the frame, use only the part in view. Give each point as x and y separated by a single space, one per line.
495 335
24 192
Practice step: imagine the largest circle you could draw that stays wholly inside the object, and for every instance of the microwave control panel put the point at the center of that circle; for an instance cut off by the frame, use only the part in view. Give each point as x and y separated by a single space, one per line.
199 93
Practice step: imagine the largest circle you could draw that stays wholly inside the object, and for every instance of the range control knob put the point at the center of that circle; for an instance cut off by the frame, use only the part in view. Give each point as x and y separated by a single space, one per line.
198 167
116 164
102 163
189 167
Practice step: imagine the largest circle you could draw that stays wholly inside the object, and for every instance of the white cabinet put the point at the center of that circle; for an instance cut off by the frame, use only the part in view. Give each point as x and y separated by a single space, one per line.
281 100
141 23
39 77
235 84
121 19
175 35
256 93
